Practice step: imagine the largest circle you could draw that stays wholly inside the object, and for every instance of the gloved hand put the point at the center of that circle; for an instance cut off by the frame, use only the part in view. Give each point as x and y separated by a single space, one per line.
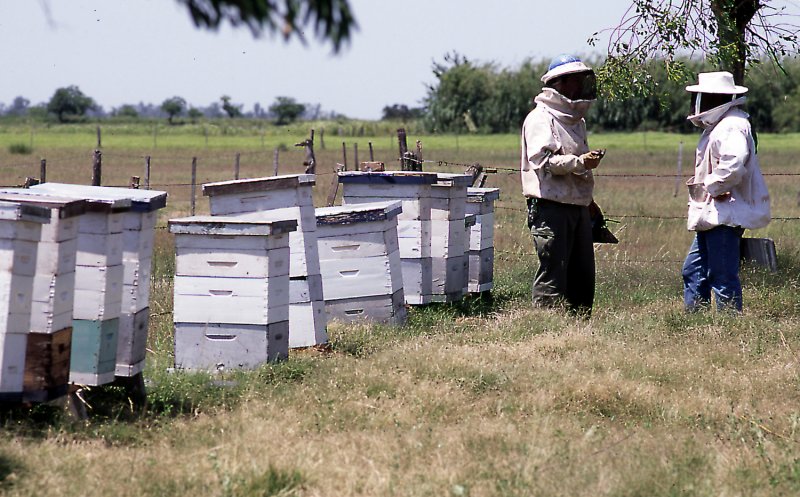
592 158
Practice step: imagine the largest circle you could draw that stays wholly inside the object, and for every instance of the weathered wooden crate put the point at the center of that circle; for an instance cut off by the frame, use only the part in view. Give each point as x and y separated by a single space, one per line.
480 201
93 356
231 291
361 262
220 346
47 362
283 197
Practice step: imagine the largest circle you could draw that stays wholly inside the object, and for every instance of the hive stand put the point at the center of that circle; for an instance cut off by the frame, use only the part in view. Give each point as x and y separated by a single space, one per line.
231 306
47 356
20 231
360 259
276 198
480 201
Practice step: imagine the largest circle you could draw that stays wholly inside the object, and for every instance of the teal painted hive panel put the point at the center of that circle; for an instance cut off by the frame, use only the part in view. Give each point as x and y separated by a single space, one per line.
94 351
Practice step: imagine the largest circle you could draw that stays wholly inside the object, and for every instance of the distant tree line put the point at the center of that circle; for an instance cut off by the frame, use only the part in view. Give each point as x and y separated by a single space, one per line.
70 104
481 97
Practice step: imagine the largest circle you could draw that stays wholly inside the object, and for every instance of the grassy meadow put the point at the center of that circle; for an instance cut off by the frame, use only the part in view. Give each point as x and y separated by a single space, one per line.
481 398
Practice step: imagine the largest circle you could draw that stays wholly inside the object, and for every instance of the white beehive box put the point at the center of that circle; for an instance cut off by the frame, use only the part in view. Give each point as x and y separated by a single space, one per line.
284 197
360 259
414 231
17 221
480 202
134 232
231 304
448 236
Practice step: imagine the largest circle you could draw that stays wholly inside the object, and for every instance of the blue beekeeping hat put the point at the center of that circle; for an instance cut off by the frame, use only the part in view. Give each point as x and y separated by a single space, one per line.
564 64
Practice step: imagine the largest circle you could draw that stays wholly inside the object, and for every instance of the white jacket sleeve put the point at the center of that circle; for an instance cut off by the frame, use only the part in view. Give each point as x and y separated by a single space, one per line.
542 150
728 161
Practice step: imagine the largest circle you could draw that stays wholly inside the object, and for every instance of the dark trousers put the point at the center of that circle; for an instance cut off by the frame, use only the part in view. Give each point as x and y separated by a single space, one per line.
712 265
562 235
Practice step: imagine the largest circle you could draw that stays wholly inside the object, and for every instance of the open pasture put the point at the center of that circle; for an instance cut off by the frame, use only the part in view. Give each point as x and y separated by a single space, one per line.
479 398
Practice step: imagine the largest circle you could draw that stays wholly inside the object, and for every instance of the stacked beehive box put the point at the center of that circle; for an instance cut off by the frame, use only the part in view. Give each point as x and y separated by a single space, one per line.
448 236
275 198
413 189
360 261
231 306
469 223
480 201
20 231
47 357
138 232
99 277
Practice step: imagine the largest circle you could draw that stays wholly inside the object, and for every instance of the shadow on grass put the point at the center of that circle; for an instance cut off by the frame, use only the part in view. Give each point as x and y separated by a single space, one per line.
113 415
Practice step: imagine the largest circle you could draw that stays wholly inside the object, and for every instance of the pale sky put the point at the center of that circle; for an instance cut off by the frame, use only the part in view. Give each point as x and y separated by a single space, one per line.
130 51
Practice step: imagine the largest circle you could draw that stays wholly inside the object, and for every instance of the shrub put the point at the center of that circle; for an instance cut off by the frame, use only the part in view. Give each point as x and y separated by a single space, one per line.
20 149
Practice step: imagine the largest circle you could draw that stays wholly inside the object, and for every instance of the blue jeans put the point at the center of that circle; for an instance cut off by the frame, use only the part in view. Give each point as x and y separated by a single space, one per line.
712 265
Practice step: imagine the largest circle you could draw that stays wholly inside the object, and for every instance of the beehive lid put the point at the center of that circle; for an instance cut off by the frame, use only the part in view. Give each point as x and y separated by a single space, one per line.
94 202
15 211
456 180
482 194
66 207
230 226
140 200
358 213
258 184
388 177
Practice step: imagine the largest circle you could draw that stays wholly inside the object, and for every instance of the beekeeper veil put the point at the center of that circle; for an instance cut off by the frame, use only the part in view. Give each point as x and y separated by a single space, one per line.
713 96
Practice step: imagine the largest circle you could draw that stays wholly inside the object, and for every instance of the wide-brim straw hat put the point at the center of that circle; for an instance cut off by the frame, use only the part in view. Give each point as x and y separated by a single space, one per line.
716 82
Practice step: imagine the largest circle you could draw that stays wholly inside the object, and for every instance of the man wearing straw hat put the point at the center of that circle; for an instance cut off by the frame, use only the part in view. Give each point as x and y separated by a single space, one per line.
557 180
726 195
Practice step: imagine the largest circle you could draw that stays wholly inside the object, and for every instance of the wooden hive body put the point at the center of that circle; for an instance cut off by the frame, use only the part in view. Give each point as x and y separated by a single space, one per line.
361 264
276 198
480 202
232 286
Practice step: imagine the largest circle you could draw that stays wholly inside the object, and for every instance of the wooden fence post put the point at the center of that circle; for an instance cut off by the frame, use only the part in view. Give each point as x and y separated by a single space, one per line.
43 171
236 166
97 168
371 154
275 162
344 155
355 157
310 161
99 140
147 172
194 182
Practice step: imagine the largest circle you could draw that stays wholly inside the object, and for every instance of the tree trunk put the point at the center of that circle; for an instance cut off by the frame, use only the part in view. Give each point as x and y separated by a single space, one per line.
732 18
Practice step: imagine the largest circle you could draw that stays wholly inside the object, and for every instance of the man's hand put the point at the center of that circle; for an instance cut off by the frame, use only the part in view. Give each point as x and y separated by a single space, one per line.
592 158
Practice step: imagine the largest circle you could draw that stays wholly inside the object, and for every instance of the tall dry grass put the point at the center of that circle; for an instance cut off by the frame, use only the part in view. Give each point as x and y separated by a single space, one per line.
480 398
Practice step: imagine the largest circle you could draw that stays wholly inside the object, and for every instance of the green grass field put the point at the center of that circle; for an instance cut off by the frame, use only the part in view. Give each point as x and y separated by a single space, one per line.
479 398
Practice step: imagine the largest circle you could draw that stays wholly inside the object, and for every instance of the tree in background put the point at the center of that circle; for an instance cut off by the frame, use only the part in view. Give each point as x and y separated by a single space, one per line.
232 110
19 107
69 103
126 110
286 110
456 101
194 114
402 112
172 107
729 34
332 19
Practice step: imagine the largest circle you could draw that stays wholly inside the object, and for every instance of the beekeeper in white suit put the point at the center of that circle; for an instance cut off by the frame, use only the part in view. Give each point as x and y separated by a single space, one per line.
557 180
726 195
